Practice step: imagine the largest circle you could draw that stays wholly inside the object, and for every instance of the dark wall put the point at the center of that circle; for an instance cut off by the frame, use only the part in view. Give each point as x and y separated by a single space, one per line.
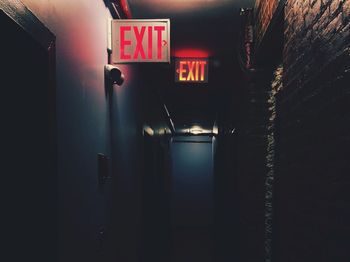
156 193
312 184
88 122
226 215
251 170
299 133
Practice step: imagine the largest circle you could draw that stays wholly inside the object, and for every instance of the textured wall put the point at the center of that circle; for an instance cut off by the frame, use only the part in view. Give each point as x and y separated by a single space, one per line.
276 86
264 11
316 32
251 168
312 184
310 139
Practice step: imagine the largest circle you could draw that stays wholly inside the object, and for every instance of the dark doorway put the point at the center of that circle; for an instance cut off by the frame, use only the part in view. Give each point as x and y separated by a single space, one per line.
28 132
192 199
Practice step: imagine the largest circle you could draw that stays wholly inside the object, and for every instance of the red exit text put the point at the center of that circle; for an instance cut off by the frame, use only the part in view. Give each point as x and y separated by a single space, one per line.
191 70
140 41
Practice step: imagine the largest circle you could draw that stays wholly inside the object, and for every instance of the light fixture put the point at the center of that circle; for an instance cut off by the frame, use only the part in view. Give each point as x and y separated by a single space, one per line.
148 130
113 75
196 130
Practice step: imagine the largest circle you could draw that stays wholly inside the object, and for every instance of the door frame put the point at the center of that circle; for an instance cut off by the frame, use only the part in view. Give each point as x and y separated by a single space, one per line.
25 22
30 24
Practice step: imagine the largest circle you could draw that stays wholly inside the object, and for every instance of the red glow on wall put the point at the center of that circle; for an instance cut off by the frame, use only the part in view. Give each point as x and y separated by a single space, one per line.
190 53
192 70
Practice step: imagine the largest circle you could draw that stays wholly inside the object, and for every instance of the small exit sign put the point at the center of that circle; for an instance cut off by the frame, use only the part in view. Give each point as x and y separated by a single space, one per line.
191 70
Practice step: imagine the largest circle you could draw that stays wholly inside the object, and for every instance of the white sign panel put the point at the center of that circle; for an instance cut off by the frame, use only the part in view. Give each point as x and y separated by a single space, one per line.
140 40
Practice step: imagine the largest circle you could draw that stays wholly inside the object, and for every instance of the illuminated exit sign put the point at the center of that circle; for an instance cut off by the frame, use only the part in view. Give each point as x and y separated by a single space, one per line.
191 70
140 40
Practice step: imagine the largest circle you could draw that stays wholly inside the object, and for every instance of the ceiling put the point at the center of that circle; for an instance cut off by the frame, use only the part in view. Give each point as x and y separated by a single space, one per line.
205 28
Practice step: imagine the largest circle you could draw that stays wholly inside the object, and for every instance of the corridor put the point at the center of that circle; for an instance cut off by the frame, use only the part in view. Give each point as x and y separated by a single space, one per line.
176 130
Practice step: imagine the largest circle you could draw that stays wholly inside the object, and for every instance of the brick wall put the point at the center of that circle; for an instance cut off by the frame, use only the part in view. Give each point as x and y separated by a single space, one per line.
251 168
312 190
264 11
316 32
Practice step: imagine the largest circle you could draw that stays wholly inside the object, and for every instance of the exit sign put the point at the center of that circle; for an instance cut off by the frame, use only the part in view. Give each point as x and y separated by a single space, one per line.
191 70
140 40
